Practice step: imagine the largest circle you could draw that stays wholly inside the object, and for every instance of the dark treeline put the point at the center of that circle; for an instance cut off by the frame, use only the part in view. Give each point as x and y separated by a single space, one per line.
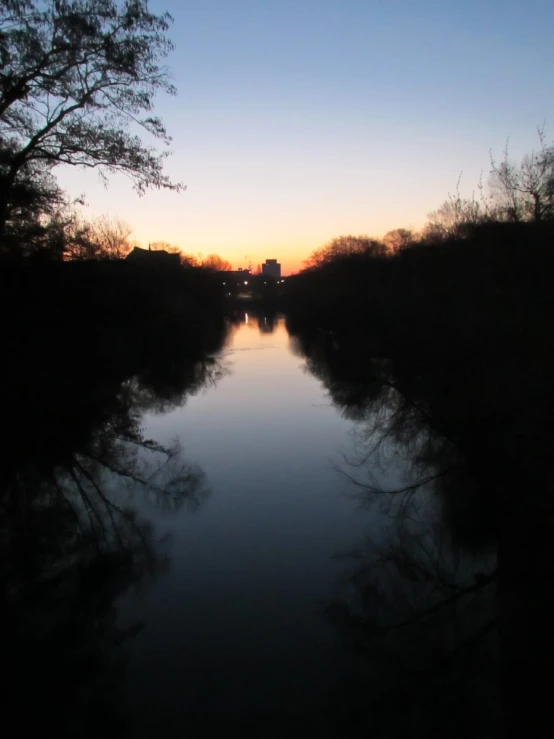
442 347
114 303
454 295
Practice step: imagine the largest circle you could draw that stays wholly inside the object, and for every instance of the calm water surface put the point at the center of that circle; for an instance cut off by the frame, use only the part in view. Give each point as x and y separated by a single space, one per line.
233 631
185 550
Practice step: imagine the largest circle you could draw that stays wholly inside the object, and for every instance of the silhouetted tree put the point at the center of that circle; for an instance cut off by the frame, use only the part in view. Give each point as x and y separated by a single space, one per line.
525 191
457 216
216 263
77 78
398 238
112 237
346 246
33 201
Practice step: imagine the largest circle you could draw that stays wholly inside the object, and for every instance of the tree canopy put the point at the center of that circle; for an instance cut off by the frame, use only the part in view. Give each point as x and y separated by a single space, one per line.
517 193
398 238
78 80
345 246
525 191
216 263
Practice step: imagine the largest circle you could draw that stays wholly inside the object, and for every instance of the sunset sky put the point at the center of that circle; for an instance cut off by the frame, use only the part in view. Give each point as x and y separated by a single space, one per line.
300 120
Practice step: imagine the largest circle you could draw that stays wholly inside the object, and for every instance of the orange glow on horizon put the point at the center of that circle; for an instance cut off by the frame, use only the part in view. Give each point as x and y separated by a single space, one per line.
237 228
291 263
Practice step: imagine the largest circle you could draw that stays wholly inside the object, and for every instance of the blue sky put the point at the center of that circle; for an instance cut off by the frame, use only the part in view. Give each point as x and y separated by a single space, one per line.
297 121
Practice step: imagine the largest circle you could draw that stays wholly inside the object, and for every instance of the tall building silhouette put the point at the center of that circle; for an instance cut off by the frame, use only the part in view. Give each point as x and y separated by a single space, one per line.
271 268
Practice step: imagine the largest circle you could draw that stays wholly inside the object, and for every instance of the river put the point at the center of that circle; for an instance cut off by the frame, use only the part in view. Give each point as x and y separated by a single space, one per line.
234 631
196 541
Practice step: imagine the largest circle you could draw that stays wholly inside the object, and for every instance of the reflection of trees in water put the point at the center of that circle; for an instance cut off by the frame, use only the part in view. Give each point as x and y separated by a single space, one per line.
267 323
420 599
72 542
162 388
420 611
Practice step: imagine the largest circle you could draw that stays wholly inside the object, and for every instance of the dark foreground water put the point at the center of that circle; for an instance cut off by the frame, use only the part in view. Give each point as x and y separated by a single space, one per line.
202 546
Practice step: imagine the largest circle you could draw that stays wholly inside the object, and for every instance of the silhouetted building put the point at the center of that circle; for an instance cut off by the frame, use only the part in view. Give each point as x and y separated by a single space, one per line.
271 268
150 258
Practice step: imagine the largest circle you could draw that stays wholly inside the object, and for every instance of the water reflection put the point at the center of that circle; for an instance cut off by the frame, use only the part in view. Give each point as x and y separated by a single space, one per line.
71 538
267 323
242 643
264 320
420 603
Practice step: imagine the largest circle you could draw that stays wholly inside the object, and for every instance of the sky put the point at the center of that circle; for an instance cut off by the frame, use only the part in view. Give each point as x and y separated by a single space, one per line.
297 121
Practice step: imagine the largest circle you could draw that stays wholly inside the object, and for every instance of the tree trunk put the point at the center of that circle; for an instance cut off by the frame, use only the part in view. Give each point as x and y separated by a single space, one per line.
5 192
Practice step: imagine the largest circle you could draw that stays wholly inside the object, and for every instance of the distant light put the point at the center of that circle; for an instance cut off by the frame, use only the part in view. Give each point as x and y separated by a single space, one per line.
265 283
224 283
246 282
